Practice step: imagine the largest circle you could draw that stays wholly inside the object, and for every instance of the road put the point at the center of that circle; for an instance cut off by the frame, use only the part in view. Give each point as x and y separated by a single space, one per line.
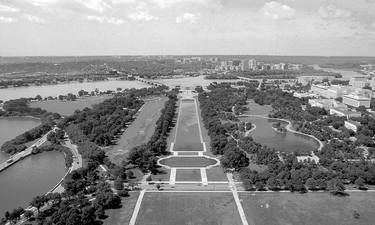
16 157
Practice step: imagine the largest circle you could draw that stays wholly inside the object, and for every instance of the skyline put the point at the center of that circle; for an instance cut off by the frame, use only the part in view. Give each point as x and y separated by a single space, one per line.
186 27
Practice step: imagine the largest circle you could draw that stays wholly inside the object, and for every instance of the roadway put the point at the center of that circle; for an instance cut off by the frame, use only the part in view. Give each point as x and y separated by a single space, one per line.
21 155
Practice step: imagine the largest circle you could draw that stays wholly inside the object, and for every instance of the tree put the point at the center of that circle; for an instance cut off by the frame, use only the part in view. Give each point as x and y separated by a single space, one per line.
311 184
28 214
336 187
100 212
38 202
259 186
273 184
360 183
234 158
118 184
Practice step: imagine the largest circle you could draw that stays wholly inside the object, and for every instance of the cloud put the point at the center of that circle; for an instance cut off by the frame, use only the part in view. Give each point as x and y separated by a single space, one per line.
6 19
169 3
332 12
141 13
102 19
186 18
141 16
277 11
5 8
96 5
35 19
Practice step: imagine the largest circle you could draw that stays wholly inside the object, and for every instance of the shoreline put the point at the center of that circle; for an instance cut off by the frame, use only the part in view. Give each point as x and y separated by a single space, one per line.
289 128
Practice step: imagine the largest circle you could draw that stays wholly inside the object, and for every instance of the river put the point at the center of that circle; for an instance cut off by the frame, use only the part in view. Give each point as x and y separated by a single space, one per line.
12 127
187 82
65 88
346 74
35 175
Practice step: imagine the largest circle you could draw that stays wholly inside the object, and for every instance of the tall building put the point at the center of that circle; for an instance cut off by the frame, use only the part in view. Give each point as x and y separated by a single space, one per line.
253 64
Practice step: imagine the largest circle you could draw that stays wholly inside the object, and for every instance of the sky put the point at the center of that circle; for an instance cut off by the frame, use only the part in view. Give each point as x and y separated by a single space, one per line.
187 27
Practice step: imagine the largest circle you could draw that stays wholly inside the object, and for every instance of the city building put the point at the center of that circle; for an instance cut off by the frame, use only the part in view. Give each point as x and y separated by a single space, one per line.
343 112
356 100
359 82
326 103
352 125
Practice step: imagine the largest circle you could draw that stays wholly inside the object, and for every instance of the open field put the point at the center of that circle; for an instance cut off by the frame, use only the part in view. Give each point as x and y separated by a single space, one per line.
308 209
255 109
67 108
139 132
123 215
216 174
187 161
188 208
188 175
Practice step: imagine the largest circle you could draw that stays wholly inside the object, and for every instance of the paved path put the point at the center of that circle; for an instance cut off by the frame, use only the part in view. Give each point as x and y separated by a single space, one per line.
137 207
233 187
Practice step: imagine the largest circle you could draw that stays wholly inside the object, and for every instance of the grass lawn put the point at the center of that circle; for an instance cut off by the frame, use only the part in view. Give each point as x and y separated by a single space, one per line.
67 108
216 174
123 215
164 175
188 209
139 132
188 175
308 209
187 162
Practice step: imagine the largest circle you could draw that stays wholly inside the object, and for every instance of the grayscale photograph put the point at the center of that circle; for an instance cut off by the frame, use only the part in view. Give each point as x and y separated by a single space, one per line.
187 112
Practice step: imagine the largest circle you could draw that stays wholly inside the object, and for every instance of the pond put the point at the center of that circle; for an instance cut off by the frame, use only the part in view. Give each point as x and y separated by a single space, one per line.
280 141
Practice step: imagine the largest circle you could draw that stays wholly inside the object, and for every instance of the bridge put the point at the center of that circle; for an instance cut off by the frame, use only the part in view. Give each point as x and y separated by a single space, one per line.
147 81
21 155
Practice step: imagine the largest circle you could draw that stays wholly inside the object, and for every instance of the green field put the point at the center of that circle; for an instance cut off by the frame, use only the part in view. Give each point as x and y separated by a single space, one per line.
188 175
187 162
308 209
123 215
216 174
188 209
139 132
67 108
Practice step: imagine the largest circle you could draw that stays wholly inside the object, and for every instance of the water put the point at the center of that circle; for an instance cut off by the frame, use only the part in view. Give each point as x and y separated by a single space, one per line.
11 127
346 74
63 89
266 135
188 134
35 175
187 82
283 142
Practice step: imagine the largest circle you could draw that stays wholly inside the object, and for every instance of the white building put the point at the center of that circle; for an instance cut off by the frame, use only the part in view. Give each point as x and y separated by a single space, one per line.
352 125
359 82
342 112
356 100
